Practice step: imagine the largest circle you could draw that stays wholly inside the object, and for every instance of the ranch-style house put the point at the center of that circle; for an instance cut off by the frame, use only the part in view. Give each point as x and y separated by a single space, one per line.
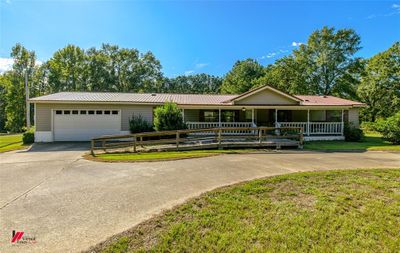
81 116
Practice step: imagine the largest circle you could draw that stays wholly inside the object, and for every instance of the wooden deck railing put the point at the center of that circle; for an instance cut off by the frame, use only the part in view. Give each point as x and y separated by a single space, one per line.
207 125
211 138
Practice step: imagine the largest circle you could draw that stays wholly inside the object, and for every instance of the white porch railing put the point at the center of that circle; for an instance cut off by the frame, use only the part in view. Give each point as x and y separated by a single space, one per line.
294 124
205 125
316 128
325 127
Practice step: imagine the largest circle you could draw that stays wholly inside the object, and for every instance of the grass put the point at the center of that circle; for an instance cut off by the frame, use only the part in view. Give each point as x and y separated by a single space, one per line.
331 211
11 142
372 141
168 155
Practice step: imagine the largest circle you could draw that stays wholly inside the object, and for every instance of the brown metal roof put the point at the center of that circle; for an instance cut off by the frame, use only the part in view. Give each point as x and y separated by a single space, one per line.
327 100
150 98
181 99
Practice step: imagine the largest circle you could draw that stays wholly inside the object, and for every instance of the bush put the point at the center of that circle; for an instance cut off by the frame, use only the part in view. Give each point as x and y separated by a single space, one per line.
390 128
28 136
168 117
137 124
368 126
352 133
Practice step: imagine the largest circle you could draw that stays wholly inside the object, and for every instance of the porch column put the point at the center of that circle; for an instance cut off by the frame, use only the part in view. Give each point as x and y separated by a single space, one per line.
276 117
219 117
183 114
342 130
308 122
252 117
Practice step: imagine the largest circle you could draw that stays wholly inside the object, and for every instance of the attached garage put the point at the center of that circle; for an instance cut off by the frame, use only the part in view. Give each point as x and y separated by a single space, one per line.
85 124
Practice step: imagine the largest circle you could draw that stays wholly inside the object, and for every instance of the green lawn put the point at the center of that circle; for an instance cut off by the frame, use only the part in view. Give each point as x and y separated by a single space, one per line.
168 155
331 211
372 141
11 142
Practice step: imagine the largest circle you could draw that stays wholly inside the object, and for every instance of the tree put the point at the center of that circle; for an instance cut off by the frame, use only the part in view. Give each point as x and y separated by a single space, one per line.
287 75
109 68
199 84
4 83
15 107
242 77
324 66
98 72
390 128
168 117
380 84
66 69
329 62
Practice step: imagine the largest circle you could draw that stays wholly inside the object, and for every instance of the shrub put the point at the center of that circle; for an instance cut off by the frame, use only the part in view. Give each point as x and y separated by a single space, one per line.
390 128
352 133
168 117
137 124
28 136
368 126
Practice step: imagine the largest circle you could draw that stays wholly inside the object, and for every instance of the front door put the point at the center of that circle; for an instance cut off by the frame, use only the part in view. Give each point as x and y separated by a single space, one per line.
265 117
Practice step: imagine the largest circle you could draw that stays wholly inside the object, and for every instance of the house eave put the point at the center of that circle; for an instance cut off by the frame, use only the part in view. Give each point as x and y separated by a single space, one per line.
222 105
261 88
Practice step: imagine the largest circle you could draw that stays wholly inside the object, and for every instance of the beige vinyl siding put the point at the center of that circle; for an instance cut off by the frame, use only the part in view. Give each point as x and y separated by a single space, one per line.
266 97
354 117
43 117
43 113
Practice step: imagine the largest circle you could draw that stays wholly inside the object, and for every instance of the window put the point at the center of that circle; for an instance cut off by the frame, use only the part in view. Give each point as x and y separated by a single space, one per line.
75 112
334 116
107 112
91 112
210 116
83 112
284 116
114 112
58 112
67 112
99 112
228 116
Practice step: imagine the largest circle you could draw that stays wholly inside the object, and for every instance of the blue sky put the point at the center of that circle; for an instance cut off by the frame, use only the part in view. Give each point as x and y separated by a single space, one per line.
192 36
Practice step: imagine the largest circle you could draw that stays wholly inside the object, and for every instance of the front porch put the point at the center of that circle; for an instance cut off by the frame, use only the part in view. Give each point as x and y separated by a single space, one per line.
316 124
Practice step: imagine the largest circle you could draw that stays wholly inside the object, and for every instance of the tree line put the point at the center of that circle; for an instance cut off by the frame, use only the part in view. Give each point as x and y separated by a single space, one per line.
325 65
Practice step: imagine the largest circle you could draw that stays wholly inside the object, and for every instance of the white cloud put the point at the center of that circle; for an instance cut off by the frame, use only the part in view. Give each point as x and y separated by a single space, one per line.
395 7
296 44
274 54
270 55
189 72
5 64
201 65
195 68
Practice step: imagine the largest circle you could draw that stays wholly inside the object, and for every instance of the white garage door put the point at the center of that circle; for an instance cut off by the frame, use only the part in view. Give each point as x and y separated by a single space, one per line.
85 124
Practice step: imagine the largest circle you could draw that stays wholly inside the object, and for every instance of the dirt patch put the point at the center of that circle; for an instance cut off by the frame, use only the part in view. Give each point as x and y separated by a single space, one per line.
98 159
288 191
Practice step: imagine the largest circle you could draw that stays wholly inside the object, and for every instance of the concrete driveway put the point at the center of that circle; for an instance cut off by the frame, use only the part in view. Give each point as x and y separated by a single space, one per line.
69 204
